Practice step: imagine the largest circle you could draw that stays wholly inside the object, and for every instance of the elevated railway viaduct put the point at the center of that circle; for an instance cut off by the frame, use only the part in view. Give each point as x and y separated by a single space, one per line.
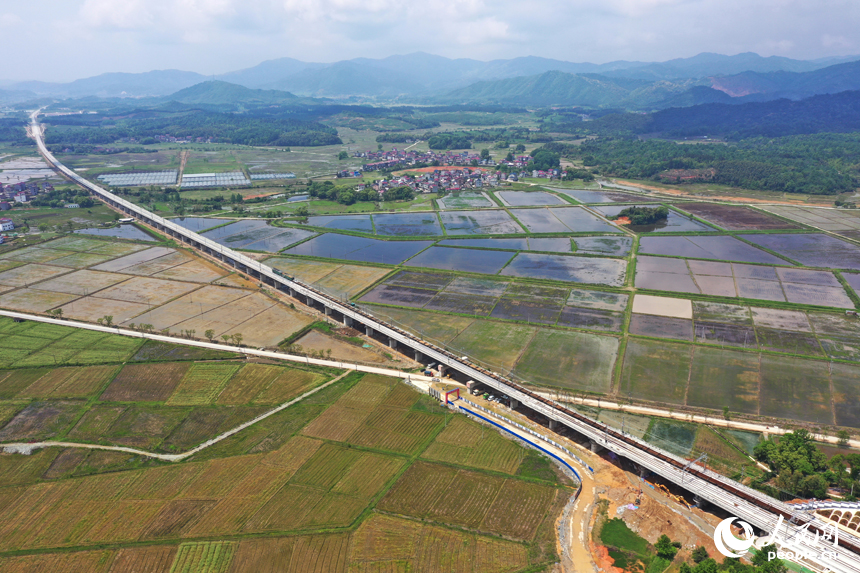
754 507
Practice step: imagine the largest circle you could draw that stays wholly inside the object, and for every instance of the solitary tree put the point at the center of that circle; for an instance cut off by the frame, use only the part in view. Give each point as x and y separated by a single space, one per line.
843 437
109 319
210 334
237 339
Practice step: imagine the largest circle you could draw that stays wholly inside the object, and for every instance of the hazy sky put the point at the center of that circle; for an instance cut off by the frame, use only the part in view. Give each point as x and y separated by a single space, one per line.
68 39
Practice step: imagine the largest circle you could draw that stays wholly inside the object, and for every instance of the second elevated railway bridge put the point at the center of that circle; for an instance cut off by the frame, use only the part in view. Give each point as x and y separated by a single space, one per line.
749 505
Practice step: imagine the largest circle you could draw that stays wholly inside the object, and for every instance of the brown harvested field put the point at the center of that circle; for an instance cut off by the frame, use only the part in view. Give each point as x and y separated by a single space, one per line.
499 556
235 280
40 420
82 282
69 382
407 432
309 554
271 326
383 538
368 475
227 517
121 263
344 351
13 381
464 443
445 550
151 559
124 522
32 300
285 510
193 271
293 454
200 301
308 271
247 383
91 309
147 290
30 274
219 476
77 562
467 499
81 260
291 383
163 483
65 463
518 510
336 423
177 517
202 383
419 489
736 217
226 317
158 265
145 382
351 279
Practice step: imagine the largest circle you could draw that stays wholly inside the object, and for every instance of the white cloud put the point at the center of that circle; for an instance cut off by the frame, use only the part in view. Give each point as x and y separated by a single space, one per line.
9 19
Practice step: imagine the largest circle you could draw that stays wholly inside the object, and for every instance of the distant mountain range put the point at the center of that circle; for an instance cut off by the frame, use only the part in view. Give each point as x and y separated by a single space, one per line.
425 78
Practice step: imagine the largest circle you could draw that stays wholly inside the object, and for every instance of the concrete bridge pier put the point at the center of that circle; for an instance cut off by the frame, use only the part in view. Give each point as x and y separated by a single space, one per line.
347 320
698 501
328 311
441 370
392 343
368 331
514 404
417 356
595 447
643 472
553 424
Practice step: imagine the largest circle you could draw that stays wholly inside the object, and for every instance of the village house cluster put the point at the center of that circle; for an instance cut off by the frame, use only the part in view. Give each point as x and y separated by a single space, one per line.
439 181
396 158
21 192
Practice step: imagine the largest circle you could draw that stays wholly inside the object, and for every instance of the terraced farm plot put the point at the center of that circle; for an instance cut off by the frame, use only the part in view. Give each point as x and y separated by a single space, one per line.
91 309
788 342
95 423
145 426
462 303
578 360
465 200
32 300
464 260
590 270
307 271
398 296
290 383
529 198
13 381
147 290
661 327
69 382
468 285
153 558
81 260
35 254
537 311
133 259
145 382
158 265
349 280
722 313
597 300
116 249
503 244
110 349
395 431
431 326
795 389
613 246
466 443
82 282
422 280
724 378
202 383
192 271
203 557
539 221
815 250
40 421
497 346
736 217
516 499
199 302
722 247
198 224
657 371
94 561
334 246
361 223
79 244
317 554
495 222
407 224
591 319
846 395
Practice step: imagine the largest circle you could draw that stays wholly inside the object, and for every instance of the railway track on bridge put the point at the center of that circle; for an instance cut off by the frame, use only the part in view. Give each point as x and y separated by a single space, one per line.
746 503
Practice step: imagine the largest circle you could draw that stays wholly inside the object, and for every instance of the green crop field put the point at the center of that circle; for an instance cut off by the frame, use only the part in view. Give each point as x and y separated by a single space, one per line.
202 384
656 371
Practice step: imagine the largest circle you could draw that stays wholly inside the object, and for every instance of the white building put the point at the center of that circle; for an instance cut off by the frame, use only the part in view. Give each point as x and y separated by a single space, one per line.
6 224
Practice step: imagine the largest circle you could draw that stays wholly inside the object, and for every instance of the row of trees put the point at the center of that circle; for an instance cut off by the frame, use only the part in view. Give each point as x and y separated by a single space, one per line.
346 195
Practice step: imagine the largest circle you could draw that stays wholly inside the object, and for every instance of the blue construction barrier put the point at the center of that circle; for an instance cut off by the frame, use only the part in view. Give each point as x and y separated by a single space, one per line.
519 437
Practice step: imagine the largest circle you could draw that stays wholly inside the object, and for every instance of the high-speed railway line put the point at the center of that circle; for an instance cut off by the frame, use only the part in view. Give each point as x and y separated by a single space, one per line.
749 505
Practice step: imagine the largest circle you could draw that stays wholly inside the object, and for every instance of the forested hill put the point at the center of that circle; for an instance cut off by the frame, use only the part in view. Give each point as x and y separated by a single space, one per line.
224 93
144 126
838 113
